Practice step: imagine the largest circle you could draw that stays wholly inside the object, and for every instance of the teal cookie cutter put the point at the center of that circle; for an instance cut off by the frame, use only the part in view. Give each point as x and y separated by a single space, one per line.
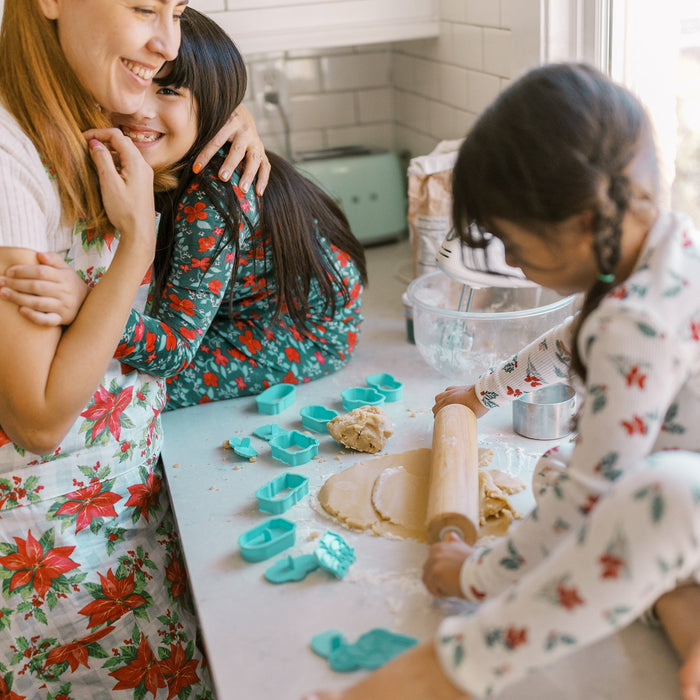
386 384
269 431
292 568
242 447
371 651
276 398
334 554
317 417
267 539
357 396
282 493
294 448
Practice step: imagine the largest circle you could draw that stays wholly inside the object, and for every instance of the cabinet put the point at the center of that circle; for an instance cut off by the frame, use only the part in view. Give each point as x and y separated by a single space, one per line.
260 26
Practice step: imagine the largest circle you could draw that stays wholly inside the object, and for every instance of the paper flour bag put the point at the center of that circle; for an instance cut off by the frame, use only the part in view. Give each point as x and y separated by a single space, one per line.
430 203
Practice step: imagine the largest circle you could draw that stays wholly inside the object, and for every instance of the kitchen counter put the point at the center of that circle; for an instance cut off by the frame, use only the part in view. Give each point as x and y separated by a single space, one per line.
257 634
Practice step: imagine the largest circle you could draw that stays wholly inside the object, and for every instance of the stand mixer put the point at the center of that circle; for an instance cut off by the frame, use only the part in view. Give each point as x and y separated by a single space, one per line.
477 268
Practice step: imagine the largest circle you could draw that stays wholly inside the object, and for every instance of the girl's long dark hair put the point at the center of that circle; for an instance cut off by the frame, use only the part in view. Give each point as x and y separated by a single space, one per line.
554 144
293 212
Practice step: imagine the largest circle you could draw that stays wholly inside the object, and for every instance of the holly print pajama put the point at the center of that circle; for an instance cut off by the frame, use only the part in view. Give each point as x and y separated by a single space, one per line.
617 515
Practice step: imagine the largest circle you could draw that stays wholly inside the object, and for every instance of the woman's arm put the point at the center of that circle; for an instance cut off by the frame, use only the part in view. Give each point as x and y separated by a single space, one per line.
48 376
245 143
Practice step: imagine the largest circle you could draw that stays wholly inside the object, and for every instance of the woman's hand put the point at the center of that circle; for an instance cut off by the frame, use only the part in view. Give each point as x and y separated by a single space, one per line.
126 183
442 568
466 395
245 143
49 293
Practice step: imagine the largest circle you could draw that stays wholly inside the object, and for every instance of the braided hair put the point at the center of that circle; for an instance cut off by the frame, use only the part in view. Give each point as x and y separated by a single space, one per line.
559 141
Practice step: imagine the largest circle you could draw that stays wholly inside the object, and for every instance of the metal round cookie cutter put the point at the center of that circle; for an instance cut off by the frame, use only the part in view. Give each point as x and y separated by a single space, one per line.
545 414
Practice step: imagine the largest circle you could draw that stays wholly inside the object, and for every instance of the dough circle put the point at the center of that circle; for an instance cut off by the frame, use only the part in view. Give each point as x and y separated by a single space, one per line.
388 495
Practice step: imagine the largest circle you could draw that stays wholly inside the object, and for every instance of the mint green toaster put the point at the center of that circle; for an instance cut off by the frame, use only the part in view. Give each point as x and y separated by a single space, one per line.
367 183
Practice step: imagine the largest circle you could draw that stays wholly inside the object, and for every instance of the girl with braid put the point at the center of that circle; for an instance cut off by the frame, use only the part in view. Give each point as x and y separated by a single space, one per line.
561 168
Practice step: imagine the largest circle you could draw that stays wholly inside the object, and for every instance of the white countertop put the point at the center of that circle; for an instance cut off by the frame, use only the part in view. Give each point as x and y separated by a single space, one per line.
257 634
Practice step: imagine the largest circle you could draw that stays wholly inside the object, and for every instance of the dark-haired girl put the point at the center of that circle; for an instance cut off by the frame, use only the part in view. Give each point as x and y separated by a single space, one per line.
247 292
561 168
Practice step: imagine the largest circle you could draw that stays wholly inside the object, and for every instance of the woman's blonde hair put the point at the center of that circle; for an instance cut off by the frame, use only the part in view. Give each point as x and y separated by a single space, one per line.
40 89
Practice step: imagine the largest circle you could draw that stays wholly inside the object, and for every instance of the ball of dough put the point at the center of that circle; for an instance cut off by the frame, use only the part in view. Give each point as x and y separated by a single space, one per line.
365 429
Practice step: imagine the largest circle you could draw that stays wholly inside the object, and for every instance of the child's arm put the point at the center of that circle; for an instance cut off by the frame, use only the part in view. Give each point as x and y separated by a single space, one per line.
49 293
544 361
200 273
414 675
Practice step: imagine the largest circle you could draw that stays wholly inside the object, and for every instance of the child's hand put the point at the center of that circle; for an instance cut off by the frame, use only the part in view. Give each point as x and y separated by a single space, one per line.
465 395
441 571
48 294
126 185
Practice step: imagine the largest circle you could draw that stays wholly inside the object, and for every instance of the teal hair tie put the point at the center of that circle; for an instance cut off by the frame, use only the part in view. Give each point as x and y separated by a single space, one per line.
608 278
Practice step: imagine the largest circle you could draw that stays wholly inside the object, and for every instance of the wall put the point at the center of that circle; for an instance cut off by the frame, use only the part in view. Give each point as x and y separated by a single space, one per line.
406 95
334 97
441 86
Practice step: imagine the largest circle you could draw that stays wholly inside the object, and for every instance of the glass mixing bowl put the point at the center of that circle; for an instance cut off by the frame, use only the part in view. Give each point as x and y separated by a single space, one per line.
500 321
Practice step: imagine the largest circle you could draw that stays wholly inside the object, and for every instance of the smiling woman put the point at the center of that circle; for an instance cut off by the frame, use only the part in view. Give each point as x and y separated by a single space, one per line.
93 589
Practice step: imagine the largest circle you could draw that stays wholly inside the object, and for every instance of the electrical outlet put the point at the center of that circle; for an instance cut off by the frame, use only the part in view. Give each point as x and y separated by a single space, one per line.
271 90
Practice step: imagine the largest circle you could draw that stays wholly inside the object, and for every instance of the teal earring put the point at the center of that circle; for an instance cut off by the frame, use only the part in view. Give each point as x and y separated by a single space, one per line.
608 278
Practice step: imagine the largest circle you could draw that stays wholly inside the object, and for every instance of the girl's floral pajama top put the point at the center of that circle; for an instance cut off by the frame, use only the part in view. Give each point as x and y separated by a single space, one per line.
617 519
93 591
208 355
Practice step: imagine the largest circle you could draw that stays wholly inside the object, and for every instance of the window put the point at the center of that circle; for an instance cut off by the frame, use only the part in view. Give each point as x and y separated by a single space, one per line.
652 47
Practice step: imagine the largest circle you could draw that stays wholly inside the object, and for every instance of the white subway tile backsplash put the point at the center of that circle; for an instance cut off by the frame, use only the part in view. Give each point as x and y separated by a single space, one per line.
454 86
403 71
453 10
352 71
412 110
323 110
422 48
303 75
406 95
415 142
483 89
377 135
486 13
497 52
448 122
376 105
209 6
312 140
427 78
467 46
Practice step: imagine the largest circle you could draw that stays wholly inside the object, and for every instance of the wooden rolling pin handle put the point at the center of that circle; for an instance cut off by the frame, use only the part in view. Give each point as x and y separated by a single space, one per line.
453 496
450 530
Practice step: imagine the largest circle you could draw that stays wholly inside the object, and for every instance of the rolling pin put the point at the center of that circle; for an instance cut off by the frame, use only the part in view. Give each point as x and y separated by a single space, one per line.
453 494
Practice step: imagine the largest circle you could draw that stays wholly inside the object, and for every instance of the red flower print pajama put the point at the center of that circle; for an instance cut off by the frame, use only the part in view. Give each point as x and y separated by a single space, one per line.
207 354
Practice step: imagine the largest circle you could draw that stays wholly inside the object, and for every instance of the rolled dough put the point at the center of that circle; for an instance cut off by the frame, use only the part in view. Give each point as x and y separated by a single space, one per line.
388 495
